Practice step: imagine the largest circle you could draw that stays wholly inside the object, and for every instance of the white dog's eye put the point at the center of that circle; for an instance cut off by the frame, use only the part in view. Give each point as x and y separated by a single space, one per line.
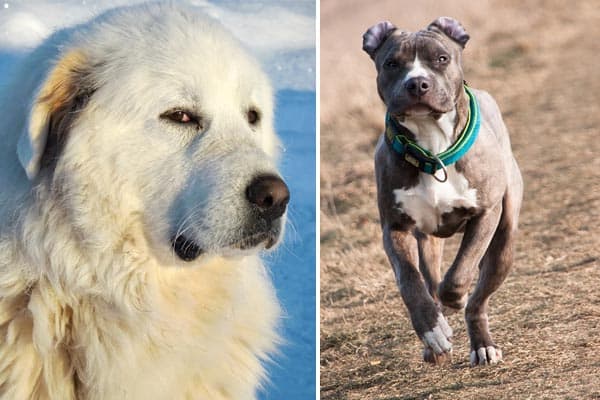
181 117
253 116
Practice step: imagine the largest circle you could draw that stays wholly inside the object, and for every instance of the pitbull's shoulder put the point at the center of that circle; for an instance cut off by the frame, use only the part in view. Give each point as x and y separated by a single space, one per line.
491 117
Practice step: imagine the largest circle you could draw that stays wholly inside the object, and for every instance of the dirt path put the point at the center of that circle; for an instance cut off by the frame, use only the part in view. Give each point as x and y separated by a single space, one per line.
540 62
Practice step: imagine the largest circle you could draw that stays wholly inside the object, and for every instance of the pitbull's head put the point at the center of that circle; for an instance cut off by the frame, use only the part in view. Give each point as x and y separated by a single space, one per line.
418 73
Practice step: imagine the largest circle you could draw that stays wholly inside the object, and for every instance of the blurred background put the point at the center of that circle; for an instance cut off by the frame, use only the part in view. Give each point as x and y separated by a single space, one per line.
539 59
281 34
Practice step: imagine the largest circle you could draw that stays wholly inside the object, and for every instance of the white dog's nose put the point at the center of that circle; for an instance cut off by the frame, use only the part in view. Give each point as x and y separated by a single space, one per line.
270 195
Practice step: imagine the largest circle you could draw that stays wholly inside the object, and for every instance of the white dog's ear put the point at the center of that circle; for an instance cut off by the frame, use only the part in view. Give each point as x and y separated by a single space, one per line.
53 108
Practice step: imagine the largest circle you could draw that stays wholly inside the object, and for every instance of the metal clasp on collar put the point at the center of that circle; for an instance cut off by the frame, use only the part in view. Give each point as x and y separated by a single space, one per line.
411 160
441 164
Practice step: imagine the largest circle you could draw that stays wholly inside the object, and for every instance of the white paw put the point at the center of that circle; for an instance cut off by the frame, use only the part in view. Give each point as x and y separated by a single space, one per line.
486 355
438 339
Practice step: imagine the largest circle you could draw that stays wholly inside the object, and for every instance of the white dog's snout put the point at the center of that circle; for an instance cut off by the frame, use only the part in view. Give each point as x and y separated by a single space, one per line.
270 195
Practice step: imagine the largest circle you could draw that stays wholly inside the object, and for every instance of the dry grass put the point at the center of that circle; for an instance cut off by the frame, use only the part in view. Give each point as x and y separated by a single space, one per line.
540 61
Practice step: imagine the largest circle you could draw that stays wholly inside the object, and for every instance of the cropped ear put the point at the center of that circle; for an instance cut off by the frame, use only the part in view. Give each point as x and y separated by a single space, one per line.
53 109
451 28
374 37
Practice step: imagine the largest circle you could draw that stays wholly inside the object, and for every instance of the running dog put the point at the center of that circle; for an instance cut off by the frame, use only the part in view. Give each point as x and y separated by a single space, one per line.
443 165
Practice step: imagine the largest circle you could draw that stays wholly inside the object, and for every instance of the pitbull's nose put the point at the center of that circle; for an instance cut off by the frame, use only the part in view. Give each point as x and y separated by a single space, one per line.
418 85
269 194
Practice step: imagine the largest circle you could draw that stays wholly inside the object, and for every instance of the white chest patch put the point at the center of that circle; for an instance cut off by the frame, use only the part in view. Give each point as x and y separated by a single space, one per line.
426 202
430 199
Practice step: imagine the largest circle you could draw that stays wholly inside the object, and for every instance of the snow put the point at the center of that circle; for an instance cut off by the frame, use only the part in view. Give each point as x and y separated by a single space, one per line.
293 266
282 35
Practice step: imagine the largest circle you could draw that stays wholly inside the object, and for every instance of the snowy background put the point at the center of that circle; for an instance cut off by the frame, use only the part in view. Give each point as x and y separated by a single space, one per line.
281 33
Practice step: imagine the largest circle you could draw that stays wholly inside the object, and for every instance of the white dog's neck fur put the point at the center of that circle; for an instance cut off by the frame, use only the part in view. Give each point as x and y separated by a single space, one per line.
126 314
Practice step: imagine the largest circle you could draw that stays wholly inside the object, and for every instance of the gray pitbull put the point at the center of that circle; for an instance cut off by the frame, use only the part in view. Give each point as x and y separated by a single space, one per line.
443 165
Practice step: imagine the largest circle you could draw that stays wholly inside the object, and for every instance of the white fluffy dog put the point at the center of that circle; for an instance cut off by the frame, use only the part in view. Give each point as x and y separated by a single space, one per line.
138 183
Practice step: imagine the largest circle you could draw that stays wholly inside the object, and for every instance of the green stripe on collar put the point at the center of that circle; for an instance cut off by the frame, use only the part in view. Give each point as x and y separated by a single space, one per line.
423 159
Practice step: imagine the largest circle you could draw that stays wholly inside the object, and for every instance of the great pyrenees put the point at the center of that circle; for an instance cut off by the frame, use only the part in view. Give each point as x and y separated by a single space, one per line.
138 184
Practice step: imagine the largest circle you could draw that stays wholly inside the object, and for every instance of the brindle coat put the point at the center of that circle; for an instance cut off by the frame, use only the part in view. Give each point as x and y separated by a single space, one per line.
489 166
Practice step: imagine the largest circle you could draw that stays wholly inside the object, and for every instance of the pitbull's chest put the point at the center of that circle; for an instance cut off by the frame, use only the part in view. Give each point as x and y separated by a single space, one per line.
438 208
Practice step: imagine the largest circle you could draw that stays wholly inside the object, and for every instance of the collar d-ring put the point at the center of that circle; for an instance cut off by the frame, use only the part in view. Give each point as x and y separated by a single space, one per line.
443 168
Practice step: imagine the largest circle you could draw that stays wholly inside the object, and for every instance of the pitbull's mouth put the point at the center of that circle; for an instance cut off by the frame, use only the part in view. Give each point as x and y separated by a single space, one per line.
418 110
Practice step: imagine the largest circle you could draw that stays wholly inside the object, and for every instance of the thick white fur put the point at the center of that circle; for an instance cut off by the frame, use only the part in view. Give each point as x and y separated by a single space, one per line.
94 304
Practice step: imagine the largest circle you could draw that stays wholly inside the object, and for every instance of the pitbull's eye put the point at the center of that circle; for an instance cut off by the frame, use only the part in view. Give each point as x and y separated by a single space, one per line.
391 64
253 116
181 117
443 59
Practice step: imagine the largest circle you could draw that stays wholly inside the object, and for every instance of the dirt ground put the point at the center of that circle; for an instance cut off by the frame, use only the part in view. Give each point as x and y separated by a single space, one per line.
540 59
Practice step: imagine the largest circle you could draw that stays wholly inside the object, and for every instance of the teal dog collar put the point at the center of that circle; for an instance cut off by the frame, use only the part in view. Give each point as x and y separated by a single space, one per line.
422 158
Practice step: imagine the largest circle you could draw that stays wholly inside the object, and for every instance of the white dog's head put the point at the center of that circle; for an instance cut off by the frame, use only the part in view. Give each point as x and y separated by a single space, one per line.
154 116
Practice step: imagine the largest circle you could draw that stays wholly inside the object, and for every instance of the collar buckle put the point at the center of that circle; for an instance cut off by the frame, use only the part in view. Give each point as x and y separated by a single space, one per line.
411 160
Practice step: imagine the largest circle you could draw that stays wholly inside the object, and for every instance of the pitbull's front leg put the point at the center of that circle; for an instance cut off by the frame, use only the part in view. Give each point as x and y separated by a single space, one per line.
427 320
